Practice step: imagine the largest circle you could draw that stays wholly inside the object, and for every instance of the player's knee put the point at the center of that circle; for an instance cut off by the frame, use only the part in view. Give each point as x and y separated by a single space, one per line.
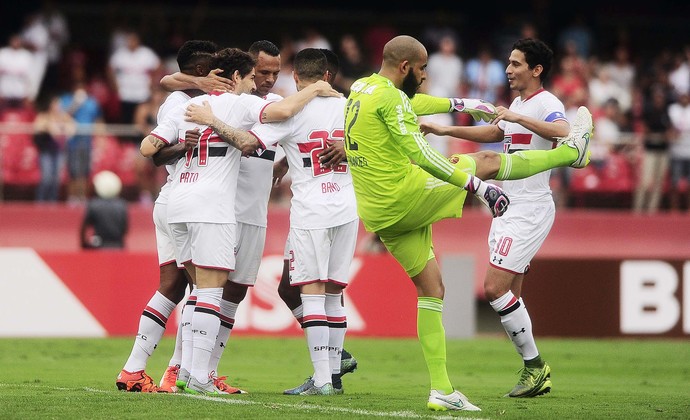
173 283
488 163
234 292
290 295
494 290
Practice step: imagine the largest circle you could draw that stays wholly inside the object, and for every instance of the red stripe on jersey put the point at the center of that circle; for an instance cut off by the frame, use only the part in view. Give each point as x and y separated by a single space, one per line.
336 318
309 146
521 138
156 313
207 305
192 298
319 317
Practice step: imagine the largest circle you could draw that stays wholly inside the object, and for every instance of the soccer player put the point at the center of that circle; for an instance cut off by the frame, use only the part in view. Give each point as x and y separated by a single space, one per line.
331 156
253 192
323 222
534 121
194 59
201 208
322 270
400 200
251 207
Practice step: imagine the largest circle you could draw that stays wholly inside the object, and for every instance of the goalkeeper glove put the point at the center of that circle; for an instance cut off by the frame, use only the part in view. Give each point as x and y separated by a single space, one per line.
479 109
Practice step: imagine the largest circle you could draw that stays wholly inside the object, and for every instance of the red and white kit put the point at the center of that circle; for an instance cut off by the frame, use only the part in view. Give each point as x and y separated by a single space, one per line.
323 212
205 181
516 237
253 191
164 239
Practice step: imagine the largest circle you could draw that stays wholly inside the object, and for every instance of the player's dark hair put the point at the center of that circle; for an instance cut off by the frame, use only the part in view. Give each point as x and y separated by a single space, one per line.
231 59
333 63
264 46
536 53
195 52
310 64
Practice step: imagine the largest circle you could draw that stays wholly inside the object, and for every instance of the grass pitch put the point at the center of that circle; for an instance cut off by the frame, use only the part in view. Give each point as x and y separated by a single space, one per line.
592 379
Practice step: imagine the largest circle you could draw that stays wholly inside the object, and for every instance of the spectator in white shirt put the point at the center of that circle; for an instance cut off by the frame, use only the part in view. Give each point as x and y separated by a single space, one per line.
130 70
15 73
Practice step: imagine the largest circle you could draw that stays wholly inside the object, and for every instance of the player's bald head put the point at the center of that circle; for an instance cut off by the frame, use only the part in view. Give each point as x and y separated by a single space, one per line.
401 48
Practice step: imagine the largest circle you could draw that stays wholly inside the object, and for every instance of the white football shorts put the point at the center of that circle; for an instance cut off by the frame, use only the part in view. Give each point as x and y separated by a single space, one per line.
515 237
322 255
249 250
164 239
207 245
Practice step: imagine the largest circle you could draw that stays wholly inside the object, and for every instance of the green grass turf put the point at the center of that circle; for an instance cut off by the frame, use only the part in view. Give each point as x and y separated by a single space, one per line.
592 379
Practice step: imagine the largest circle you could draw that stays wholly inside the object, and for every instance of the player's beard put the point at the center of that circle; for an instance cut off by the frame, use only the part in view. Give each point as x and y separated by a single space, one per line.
410 84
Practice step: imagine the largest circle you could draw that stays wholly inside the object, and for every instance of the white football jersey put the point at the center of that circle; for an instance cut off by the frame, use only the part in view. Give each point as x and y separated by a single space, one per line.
543 106
173 100
321 198
255 182
205 180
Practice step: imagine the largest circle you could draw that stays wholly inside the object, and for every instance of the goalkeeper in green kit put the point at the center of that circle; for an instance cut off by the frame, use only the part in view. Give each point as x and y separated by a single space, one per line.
403 185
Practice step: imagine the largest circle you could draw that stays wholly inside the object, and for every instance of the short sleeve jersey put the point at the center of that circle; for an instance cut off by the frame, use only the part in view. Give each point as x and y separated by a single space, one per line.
133 72
205 181
382 139
542 106
255 182
173 100
321 197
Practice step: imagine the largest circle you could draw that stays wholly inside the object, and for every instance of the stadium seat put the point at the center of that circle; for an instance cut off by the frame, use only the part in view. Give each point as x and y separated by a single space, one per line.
617 175
19 154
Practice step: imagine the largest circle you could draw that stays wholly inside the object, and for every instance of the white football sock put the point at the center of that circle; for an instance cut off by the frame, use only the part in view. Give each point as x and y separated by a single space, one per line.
315 328
517 324
337 327
205 325
151 327
227 321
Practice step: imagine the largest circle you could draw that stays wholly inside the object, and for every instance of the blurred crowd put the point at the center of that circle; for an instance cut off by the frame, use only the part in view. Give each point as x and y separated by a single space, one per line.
64 120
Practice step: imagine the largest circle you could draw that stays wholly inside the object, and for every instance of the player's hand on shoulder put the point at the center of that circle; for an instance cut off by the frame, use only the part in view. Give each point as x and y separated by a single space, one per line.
324 88
199 114
214 82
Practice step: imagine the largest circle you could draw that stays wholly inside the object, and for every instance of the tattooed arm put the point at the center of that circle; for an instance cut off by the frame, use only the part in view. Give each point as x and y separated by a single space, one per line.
150 145
239 139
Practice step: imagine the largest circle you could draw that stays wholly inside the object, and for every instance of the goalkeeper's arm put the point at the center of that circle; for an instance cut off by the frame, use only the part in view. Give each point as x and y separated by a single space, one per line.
423 104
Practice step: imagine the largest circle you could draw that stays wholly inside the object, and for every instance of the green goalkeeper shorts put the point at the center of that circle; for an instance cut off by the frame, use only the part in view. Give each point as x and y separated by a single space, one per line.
409 239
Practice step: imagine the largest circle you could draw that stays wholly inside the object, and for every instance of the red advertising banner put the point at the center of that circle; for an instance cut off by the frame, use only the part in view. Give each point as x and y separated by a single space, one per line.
608 298
114 287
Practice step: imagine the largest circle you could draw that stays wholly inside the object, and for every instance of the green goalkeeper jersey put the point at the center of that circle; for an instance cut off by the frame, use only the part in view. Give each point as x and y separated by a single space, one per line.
382 140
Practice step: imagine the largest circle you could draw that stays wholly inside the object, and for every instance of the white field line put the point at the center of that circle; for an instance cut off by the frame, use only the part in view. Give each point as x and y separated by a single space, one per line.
302 407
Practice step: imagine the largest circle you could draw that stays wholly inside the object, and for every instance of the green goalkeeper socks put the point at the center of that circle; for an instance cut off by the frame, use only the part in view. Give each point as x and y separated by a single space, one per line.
432 337
526 163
